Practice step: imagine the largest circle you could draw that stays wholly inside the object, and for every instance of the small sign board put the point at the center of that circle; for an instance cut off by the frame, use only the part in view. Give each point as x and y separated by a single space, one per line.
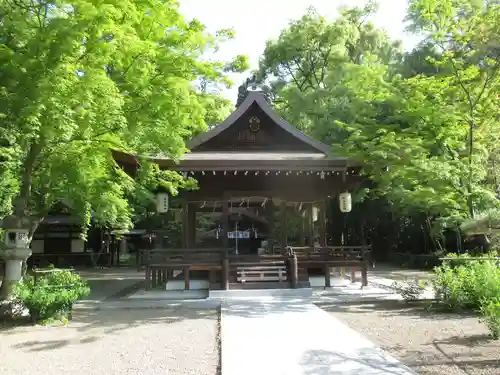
238 234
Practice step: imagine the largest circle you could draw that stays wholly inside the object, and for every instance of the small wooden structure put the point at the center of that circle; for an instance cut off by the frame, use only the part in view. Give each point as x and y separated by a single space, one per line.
57 241
255 159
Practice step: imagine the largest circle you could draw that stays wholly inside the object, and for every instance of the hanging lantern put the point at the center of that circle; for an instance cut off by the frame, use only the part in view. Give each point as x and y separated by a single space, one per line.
345 202
161 203
315 212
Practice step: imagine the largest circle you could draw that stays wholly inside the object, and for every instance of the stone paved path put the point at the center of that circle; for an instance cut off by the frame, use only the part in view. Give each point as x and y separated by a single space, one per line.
294 337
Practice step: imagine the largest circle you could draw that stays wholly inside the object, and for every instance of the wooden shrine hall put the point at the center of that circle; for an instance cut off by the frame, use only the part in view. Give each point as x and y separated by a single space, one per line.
256 162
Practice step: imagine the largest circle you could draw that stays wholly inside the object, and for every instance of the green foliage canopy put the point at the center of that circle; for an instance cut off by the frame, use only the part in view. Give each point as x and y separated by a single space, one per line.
78 78
424 123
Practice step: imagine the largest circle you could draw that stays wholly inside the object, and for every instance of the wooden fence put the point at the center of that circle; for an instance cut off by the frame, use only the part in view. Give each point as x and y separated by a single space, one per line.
160 264
341 258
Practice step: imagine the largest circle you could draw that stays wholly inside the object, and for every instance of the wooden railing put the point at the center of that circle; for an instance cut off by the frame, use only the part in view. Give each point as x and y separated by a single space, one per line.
259 268
161 263
340 257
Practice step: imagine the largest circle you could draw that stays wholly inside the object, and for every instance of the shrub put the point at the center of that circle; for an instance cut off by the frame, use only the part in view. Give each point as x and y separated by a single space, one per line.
464 284
53 295
471 284
490 310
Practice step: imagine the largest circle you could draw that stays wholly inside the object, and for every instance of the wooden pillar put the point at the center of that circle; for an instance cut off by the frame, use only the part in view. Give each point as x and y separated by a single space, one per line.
283 227
186 278
123 248
302 225
112 249
224 280
154 280
148 277
225 271
191 225
326 271
294 271
322 223
310 225
185 226
365 255
225 224
270 210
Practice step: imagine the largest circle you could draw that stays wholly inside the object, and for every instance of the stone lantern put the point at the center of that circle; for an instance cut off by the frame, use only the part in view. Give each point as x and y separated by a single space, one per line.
15 248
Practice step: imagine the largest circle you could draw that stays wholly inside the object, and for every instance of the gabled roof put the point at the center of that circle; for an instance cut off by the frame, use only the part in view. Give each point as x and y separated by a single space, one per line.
259 99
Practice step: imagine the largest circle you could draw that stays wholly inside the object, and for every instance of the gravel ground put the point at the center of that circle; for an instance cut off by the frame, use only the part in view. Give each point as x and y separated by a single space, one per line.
170 341
431 343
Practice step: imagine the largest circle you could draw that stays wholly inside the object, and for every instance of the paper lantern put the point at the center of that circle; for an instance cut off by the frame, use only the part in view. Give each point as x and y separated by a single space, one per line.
315 212
161 203
345 202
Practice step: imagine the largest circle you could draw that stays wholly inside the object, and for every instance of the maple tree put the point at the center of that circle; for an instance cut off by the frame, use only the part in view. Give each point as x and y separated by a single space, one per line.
82 77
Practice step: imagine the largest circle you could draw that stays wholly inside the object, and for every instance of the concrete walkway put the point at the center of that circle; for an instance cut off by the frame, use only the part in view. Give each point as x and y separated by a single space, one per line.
294 337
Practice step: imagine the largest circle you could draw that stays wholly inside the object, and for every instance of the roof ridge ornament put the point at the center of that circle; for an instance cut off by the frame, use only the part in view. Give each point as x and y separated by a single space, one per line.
252 84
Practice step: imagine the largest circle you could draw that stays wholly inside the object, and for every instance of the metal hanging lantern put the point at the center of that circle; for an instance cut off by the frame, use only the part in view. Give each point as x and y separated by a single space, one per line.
161 203
345 202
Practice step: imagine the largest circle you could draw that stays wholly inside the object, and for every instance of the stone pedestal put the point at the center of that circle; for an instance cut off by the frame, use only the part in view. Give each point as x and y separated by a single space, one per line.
14 259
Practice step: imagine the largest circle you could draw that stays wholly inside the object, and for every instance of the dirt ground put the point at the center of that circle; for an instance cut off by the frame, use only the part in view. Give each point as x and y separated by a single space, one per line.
429 342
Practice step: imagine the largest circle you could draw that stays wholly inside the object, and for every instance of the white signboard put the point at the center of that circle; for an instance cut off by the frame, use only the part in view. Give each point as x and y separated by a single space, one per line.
238 234
161 203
